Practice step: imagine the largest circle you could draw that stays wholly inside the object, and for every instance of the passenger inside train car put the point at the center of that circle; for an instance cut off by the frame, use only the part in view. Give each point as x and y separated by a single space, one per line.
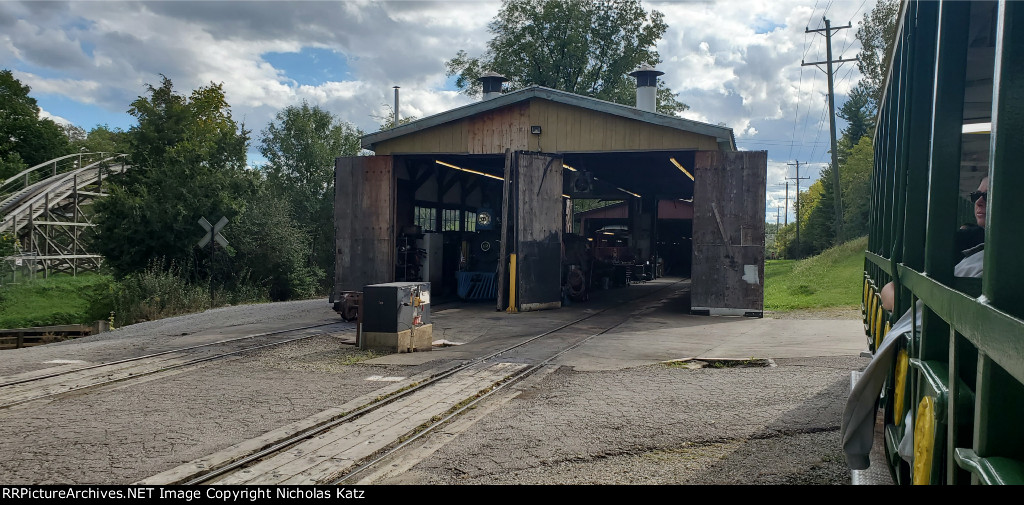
858 425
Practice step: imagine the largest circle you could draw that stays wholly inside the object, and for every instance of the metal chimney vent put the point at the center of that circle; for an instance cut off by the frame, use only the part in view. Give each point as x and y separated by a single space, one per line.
492 84
646 87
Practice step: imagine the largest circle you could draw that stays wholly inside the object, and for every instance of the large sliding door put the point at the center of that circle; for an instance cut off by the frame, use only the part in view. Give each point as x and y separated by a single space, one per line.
534 215
364 222
728 233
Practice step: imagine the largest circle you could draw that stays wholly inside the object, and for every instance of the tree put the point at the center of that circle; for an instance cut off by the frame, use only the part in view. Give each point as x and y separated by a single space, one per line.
25 139
300 146
273 249
188 161
387 120
859 113
100 139
855 180
876 33
579 46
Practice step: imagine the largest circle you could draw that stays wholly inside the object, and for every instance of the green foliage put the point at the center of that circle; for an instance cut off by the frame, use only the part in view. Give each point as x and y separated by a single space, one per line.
25 139
816 209
188 158
818 216
275 250
387 121
8 244
580 46
100 139
855 179
859 113
155 292
876 33
300 146
831 279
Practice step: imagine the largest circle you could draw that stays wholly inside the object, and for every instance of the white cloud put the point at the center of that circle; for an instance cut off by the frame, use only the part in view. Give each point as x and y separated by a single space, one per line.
56 119
713 55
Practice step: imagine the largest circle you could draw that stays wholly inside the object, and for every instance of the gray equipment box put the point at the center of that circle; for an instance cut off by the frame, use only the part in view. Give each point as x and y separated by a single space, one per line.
396 306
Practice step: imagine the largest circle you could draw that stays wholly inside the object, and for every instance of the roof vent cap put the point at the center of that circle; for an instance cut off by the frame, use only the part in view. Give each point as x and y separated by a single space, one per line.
646 87
492 84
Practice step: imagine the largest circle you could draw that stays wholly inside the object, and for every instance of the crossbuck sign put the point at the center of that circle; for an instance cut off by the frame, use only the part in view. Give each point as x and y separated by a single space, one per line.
213 231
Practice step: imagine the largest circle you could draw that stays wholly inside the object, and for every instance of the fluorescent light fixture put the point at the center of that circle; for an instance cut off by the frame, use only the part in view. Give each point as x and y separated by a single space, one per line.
570 168
680 167
630 192
977 128
439 162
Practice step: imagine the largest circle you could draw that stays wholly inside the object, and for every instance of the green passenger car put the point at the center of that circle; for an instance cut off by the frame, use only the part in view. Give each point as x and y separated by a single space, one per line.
952 114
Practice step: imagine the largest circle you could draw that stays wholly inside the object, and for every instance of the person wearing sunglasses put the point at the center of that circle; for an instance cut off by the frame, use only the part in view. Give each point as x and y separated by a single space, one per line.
858 425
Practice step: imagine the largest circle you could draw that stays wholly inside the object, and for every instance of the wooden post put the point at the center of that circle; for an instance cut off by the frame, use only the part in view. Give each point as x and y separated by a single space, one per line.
503 249
512 283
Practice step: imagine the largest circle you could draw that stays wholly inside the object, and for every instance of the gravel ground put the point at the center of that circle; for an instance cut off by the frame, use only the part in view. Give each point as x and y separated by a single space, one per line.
120 434
644 425
172 333
822 313
658 425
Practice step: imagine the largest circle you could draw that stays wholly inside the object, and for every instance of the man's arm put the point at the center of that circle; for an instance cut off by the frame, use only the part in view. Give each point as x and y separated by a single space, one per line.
888 295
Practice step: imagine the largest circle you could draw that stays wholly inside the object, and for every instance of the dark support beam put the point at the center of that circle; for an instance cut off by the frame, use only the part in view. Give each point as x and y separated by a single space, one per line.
947 120
1004 242
423 175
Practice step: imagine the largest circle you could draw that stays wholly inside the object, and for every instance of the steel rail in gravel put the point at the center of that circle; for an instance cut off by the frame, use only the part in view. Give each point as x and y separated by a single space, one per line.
515 377
128 360
372 406
145 373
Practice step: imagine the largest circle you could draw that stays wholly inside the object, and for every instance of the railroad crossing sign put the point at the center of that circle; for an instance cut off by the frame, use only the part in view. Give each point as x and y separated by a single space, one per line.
213 231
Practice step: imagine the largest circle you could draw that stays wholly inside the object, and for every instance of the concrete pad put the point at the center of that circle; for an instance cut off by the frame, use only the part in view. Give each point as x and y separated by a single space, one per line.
660 330
721 337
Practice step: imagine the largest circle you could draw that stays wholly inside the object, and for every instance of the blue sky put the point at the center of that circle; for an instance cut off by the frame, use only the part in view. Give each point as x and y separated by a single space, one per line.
733 61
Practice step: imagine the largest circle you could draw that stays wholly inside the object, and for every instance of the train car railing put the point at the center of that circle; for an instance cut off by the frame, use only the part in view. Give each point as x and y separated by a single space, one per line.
951 115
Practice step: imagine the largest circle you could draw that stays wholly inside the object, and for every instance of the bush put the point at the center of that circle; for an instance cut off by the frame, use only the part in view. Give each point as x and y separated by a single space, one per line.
272 251
155 293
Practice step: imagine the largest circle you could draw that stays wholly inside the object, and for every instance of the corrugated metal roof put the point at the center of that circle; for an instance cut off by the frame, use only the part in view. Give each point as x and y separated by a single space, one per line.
721 133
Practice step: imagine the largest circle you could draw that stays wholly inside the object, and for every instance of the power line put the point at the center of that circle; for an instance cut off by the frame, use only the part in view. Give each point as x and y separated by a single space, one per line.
796 114
832 120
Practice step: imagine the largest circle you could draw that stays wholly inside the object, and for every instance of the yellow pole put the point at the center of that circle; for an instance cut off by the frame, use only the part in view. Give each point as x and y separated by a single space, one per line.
512 284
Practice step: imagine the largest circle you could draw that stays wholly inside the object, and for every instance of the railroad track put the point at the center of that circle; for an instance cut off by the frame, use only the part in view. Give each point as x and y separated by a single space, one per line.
49 385
340 445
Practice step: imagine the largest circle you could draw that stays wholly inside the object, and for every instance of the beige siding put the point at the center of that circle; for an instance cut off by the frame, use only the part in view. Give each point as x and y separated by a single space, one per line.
489 132
565 128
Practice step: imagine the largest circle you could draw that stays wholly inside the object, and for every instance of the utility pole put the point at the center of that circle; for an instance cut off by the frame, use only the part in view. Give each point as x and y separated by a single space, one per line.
797 206
785 211
786 219
832 117
775 236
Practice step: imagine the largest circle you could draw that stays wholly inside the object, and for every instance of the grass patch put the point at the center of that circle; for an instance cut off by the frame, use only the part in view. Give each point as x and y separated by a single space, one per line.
143 296
59 299
830 279
357 356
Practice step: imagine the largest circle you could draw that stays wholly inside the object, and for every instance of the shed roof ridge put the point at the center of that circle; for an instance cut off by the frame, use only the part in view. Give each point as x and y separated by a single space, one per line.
535 91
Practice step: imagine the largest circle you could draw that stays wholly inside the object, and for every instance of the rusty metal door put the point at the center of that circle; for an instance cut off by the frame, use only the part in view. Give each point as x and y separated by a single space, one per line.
538 211
728 233
364 222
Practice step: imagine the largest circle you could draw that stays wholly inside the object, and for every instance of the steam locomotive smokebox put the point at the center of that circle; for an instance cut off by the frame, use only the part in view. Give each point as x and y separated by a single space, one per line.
396 317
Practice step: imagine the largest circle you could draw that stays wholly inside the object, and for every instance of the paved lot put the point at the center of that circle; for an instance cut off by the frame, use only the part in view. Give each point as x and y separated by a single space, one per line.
608 412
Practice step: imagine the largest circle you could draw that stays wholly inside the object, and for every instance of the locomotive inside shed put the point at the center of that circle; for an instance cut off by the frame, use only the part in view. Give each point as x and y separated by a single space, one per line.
486 202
